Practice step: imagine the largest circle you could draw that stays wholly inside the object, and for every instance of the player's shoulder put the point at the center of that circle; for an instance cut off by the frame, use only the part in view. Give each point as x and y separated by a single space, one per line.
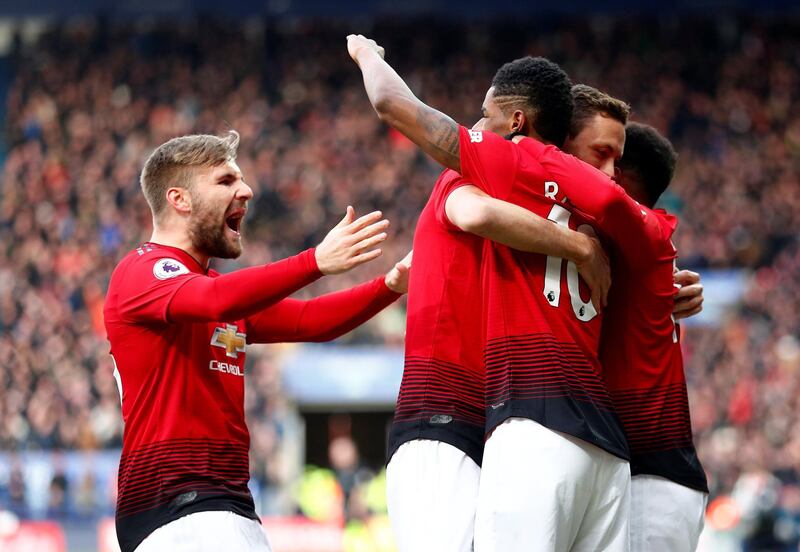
163 262
486 139
447 178
538 148
666 221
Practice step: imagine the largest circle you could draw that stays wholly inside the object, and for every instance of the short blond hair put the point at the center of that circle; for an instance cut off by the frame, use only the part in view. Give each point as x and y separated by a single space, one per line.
171 164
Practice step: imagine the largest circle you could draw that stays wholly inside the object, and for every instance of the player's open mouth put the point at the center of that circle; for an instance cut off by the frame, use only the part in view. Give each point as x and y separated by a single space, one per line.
234 222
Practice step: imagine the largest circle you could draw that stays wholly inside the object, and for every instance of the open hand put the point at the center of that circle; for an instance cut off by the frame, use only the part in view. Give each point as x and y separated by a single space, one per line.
350 243
397 278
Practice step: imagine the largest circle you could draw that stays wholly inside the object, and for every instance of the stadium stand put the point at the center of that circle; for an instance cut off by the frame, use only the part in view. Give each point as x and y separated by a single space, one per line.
88 100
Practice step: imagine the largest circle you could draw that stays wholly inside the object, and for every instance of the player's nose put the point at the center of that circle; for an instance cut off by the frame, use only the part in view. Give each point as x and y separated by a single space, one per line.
608 168
244 192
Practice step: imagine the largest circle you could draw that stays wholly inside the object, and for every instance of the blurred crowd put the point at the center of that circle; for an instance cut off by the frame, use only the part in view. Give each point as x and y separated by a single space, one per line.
91 99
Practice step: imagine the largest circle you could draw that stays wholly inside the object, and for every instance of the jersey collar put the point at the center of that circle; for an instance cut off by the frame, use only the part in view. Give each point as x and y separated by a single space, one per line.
184 257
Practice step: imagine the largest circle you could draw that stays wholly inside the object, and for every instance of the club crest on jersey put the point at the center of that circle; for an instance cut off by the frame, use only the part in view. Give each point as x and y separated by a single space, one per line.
164 269
230 339
476 136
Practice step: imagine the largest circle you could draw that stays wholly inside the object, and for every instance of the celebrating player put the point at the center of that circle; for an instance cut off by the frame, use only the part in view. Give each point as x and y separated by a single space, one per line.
436 441
597 136
178 334
639 353
643 364
554 434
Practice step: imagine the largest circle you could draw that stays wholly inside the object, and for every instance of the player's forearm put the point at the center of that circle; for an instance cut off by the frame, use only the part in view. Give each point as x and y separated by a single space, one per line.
323 318
434 132
595 195
244 292
388 93
514 226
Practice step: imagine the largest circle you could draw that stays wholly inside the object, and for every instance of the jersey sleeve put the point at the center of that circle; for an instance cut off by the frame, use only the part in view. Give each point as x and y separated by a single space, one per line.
615 213
152 294
488 161
447 184
320 319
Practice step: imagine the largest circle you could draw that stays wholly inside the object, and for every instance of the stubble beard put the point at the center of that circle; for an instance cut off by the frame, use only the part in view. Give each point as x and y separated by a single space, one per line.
208 234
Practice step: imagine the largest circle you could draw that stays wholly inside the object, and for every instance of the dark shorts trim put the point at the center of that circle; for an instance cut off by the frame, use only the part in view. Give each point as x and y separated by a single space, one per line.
681 466
133 529
583 420
465 437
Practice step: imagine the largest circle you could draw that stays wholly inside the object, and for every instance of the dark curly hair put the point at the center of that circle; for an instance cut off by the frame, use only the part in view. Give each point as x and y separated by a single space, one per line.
541 88
650 157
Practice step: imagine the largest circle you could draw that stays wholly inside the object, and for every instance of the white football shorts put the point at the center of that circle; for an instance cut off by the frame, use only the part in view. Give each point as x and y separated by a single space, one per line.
208 532
432 489
546 491
665 516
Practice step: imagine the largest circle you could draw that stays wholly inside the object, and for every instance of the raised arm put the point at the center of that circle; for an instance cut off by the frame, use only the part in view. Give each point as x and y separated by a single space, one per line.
434 132
475 212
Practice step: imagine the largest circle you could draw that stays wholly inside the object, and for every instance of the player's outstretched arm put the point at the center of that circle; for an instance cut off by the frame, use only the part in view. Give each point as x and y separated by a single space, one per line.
475 212
434 132
329 316
245 292
689 298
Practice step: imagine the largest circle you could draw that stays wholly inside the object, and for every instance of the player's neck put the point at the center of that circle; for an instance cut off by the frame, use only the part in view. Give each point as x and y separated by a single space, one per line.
179 240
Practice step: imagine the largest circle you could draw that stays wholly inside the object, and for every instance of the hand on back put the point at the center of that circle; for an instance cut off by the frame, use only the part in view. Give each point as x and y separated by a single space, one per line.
397 278
595 269
689 297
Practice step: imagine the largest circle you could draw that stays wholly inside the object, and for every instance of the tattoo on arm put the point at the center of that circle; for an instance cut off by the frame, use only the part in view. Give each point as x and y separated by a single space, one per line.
442 134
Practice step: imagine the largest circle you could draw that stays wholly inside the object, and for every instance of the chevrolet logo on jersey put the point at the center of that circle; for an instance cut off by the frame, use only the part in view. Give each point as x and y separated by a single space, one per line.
229 339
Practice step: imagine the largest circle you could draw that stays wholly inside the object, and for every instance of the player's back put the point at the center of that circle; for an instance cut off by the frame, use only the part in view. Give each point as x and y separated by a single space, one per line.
542 337
541 330
185 444
441 394
641 355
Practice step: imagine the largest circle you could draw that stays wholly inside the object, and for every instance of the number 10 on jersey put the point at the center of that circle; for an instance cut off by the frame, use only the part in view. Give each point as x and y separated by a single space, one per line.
584 311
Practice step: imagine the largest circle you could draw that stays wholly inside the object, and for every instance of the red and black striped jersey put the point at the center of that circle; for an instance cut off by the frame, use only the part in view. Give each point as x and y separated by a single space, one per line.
441 394
641 355
181 373
639 352
185 445
542 332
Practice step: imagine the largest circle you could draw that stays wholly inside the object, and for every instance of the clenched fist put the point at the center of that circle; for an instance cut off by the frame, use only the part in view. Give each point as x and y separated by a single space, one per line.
356 43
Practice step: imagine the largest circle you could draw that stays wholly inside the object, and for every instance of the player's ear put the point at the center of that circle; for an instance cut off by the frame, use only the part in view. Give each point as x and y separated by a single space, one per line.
180 199
519 122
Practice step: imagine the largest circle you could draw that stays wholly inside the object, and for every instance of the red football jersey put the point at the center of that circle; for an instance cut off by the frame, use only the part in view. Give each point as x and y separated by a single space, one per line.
185 445
182 388
441 394
640 355
542 332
